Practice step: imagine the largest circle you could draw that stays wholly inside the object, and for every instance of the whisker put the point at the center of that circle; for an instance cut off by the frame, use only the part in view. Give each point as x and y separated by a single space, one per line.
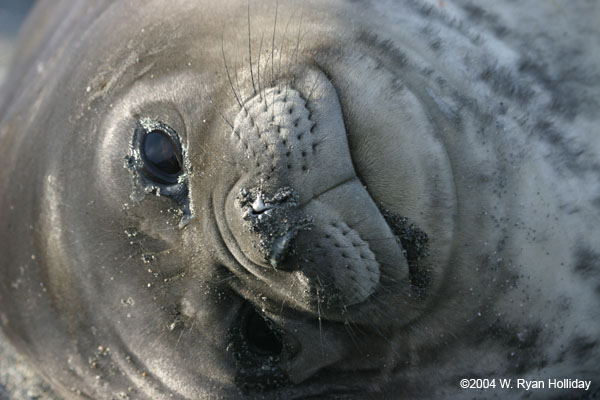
227 70
258 64
237 83
266 66
295 53
273 42
250 50
210 100
285 298
179 339
319 315
308 99
226 279
281 48
352 336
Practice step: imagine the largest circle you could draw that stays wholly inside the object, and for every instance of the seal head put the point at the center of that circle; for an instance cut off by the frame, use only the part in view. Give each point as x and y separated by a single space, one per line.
349 205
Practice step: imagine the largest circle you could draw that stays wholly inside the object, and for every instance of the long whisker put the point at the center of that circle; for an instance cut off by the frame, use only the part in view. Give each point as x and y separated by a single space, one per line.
219 111
250 50
319 315
273 43
227 70
352 336
308 99
281 48
295 55
258 64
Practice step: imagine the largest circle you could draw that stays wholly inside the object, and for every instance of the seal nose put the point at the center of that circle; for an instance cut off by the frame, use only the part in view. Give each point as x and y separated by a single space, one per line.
300 204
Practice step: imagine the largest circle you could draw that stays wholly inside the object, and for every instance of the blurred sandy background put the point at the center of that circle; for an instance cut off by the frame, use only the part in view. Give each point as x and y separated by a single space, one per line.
12 13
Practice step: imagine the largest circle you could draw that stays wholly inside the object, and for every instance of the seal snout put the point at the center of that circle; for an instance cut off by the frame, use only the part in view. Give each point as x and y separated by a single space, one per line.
299 205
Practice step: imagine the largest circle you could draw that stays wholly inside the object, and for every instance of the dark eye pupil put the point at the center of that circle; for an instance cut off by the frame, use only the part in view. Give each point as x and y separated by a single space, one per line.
161 153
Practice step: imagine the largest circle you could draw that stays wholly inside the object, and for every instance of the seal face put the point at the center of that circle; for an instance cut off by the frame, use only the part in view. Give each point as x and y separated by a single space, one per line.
356 203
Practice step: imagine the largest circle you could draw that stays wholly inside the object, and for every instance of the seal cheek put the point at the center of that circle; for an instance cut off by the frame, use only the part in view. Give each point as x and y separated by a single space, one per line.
60 264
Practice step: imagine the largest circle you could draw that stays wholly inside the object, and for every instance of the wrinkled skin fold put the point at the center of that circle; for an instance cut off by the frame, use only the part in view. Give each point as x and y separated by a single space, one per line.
357 199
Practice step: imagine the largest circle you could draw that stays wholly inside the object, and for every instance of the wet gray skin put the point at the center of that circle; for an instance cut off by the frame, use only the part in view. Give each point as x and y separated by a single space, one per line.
284 200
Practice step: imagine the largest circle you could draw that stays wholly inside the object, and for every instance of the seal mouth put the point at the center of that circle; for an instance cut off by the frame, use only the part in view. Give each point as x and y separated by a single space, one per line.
264 352
260 350
261 338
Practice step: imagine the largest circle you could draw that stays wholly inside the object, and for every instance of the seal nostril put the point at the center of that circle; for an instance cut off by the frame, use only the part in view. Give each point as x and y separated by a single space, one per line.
260 337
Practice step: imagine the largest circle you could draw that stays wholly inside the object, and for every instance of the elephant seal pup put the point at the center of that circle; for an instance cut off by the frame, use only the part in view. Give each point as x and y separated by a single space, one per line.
279 200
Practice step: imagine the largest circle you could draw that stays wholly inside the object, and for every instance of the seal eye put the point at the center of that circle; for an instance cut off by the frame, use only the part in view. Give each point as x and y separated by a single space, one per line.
159 164
162 161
